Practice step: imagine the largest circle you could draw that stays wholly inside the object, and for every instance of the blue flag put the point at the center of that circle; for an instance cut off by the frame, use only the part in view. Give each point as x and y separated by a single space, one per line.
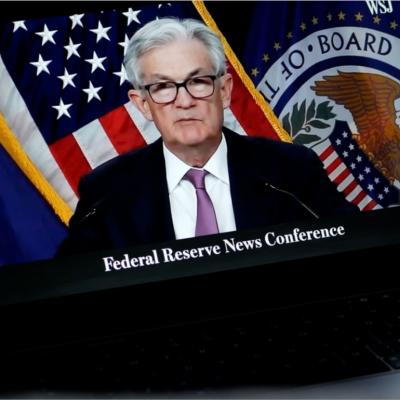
30 230
331 73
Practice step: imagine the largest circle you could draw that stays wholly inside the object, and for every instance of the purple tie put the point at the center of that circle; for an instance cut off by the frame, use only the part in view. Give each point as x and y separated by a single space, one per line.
206 223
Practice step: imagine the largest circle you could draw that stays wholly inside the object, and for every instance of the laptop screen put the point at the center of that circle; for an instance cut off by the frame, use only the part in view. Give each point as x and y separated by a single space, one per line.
286 258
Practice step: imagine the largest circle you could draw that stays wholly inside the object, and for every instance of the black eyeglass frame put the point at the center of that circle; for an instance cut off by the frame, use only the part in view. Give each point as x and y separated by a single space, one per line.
182 84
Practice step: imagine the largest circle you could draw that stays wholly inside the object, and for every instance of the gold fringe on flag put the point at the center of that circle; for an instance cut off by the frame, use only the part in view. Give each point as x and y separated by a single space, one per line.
17 153
258 98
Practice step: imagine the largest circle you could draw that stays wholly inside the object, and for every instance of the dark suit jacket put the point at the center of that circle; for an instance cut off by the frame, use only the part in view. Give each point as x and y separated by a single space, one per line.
125 201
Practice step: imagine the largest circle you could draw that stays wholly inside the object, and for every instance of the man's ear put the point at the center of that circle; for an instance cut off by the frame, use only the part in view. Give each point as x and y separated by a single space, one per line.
226 89
140 102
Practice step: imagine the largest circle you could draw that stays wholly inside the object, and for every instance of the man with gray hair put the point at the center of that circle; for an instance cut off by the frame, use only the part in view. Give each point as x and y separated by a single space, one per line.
199 178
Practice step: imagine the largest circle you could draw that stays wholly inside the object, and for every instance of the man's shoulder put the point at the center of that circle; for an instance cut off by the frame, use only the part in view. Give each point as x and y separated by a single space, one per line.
261 146
128 166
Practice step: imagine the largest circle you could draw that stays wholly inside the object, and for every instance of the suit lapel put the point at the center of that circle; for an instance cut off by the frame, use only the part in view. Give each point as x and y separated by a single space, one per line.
151 211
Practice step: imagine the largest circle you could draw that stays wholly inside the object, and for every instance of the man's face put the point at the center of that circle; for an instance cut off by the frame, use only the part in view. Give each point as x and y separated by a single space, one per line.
185 121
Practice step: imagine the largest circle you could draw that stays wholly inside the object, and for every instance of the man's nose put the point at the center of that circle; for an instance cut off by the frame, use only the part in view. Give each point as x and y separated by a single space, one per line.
183 98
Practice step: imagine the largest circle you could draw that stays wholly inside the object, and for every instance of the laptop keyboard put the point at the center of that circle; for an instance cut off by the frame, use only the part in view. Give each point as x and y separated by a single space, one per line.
302 345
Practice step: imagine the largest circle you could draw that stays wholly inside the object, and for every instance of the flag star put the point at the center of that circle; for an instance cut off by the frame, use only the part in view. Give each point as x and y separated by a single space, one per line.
277 46
393 24
122 75
289 35
329 17
124 44
72 49
358 158
386 189
314 20
101 32
19 24
338 142
367 170
67 79
345 134
303 26
377 180
132 15
41 65
361 177
62 109
96 62
376 19
351 146
76 20
265 57
370 187
255 71
358 17
345 154
92 92
47 36
352 166
380 196
341 16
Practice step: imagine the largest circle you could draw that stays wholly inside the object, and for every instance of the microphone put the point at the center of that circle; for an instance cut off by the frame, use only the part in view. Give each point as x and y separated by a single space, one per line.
314 214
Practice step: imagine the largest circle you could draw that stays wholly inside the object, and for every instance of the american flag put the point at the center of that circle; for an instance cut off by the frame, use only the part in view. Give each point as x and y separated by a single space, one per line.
64 91
352 171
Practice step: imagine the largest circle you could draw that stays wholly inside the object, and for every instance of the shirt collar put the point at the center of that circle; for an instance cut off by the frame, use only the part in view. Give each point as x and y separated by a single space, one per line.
176 169
217 165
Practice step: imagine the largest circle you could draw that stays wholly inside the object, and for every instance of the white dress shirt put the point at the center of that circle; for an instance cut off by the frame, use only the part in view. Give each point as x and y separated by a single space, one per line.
182 194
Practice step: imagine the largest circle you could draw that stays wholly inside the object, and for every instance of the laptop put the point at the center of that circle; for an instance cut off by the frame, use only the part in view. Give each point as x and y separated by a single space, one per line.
317 317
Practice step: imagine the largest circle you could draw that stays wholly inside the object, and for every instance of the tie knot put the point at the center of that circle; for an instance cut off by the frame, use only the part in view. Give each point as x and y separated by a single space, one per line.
196 177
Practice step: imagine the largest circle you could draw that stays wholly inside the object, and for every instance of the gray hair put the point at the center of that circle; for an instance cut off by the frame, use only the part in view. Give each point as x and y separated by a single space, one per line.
161 32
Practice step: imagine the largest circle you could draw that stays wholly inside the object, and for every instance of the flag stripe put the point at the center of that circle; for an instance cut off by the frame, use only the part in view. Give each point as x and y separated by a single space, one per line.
64 151
349 189
326 153
337 172
342 176
95 144
346 182
231 122
364 202
321 147
330 159
360 196
121 130
333 165
370 206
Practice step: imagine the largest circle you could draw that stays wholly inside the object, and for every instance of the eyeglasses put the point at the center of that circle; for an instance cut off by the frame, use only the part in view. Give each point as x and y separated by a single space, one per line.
199 87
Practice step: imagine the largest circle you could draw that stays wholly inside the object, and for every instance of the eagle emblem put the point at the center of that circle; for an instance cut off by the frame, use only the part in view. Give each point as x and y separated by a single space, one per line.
374 102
